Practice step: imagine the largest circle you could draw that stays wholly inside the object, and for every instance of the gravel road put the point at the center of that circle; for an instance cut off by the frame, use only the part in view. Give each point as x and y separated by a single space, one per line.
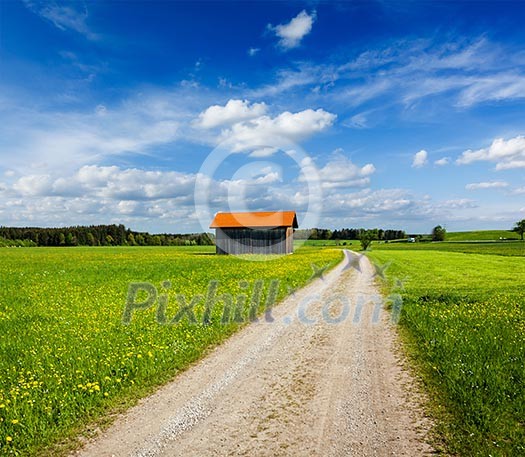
292 387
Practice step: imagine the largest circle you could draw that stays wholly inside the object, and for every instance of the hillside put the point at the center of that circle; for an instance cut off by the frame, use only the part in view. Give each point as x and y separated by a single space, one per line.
482 235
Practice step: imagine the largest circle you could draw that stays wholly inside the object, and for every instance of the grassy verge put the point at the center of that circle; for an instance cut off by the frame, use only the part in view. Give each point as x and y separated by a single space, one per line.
66 358
463 321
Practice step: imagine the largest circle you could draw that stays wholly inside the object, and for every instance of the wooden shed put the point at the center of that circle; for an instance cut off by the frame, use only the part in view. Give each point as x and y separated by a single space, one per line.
262 232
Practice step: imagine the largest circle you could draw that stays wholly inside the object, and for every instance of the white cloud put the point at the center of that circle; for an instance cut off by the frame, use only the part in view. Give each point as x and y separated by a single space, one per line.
465 73
33 185
108 182
266 132
487 185
290 79
53 140
496 87
420 159
253 51
63 17
510 165
341 172
291 34
264 152
247 127
392 207
458 203
506 154
442 162
367 202
473 72
158 200
358 121
234 111
518 191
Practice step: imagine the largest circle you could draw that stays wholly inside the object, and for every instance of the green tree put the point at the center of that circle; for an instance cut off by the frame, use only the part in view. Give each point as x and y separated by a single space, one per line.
366 239
61 239
91 239
520 228
155 240
439 233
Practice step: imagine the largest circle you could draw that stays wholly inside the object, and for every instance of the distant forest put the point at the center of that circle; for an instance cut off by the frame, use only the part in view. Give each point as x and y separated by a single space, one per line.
119 235
348 234
96 235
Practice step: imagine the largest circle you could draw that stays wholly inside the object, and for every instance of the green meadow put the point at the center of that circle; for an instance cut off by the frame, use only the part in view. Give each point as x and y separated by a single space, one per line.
66 358
463 325
68 361
482 235
504 248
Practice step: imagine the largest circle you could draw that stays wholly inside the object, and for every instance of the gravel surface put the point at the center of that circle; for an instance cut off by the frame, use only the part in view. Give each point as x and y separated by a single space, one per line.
333 387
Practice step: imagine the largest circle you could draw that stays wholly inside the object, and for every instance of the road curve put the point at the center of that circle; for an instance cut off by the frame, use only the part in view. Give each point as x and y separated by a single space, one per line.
323 379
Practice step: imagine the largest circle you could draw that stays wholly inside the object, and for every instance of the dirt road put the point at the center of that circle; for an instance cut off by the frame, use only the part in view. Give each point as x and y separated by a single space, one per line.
292 387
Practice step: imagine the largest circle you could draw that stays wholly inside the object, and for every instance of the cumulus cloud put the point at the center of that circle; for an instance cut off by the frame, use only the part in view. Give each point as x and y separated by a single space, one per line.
420 159
291 34
108 182
393 206
234 111
368 202
487 185
253 51
341 172
266 132
506 154
264 152
33 185
142 199
458 203
442 162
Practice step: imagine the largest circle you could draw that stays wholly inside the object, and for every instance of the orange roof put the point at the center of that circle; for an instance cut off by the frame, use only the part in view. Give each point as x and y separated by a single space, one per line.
255 219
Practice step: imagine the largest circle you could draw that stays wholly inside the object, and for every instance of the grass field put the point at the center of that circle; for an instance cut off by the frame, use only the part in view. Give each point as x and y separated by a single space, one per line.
350 244
463 322
482 235
67 359
505 248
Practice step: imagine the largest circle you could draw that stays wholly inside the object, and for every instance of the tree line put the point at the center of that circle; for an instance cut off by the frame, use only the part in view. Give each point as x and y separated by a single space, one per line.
349 234
96 235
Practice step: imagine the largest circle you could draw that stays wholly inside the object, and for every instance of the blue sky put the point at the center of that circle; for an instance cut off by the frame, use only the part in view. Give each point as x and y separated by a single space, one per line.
355 114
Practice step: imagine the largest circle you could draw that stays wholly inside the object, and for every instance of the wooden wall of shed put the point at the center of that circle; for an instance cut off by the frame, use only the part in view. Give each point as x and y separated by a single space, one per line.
254 241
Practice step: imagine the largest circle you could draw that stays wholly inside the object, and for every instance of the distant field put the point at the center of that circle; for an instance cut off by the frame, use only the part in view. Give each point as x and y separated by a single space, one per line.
482 235
506 248
463 321
341 243
66 358
452 237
